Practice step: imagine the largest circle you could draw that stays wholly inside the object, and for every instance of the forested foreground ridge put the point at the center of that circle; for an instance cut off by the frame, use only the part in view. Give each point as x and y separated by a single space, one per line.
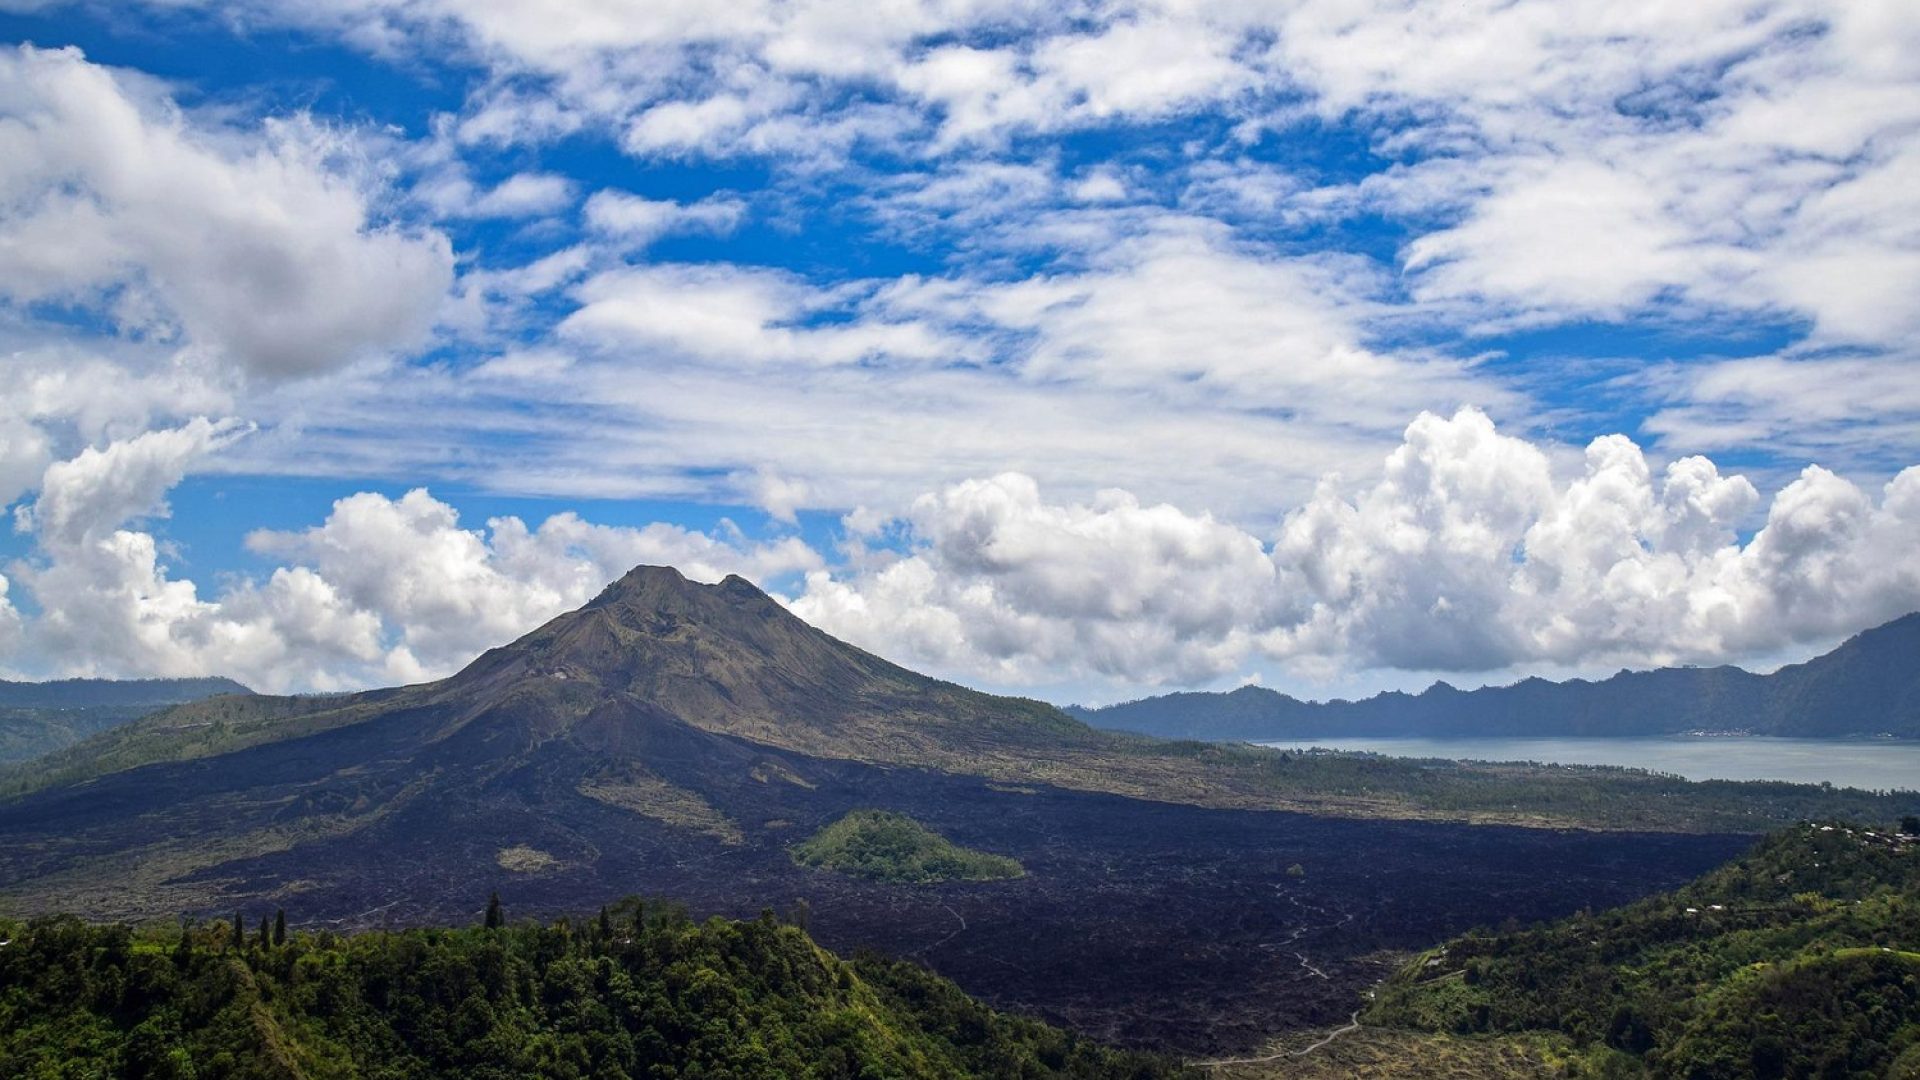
640 991
1801 959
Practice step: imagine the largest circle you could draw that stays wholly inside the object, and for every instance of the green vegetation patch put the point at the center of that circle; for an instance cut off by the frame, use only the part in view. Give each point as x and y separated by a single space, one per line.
634 789
884 846
1796 960
640 992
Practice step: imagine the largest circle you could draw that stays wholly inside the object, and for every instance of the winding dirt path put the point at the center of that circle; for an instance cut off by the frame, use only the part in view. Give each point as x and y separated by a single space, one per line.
957 931
1352 1025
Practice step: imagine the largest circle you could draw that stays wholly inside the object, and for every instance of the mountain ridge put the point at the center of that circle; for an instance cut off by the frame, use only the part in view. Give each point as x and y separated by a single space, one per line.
38 718
1868 685
94 693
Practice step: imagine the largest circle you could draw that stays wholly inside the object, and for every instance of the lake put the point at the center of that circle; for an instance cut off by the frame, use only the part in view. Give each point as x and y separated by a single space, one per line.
1863 763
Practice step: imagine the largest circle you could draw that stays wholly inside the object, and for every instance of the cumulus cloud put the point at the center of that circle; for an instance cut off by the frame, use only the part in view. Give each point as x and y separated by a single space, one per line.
1469 553
83 498
447 593
257 245
1005 585
1472 550
385 590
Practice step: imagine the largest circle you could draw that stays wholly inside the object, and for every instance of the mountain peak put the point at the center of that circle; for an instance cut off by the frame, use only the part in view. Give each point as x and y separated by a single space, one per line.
641 582
728 658
651 593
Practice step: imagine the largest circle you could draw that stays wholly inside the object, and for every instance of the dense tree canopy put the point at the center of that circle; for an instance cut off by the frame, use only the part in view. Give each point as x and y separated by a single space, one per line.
642 992
1800 960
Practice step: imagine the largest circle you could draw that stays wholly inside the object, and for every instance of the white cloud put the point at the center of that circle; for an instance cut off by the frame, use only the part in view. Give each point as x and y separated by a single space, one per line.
10 628
24 454
639 221
251 244
1100 185
1158 350
526 195
1720 162
385 590
740 316
779 496
109 608
1809 408
83 499
107 605
451 193
1002 585
1468 554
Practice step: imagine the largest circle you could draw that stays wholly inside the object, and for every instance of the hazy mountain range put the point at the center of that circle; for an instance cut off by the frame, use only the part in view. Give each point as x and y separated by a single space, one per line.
38 718
1870 685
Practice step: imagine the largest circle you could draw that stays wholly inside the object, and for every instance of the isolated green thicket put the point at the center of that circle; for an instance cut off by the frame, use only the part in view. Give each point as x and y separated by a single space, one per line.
884 846
641 991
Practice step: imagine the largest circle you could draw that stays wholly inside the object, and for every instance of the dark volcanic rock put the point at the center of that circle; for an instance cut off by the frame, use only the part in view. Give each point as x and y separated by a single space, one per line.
1142 923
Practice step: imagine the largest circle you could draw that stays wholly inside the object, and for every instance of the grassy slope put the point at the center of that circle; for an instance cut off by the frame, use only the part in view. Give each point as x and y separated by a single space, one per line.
40 718
199 729
1385 1054
27 733
883 846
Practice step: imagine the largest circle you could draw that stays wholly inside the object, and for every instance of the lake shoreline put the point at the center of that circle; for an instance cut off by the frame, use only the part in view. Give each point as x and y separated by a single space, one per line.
1869 763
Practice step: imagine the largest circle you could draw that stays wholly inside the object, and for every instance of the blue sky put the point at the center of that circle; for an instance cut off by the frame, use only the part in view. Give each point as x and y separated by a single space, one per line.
1079 351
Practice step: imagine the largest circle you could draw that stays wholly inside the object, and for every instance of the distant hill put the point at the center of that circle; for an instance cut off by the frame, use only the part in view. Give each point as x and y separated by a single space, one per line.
38 718
112 693
1870 685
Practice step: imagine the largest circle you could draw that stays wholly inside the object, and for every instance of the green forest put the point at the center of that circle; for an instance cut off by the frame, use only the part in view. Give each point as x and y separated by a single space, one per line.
641 991
1801 959
884 846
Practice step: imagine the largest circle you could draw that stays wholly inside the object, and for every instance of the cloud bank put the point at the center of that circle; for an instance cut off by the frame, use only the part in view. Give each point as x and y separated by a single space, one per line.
1470 552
